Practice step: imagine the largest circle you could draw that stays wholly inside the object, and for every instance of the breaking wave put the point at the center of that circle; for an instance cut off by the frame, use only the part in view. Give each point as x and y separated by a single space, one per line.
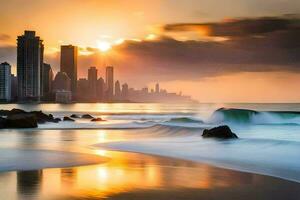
244 116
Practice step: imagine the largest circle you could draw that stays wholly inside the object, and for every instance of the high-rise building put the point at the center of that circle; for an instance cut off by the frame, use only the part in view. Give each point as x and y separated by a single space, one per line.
100 89
82 89
62 88
125 92
92 78
157 88
30 50
5 82
14 87
61 82
109 83
47 80
117 91
68 64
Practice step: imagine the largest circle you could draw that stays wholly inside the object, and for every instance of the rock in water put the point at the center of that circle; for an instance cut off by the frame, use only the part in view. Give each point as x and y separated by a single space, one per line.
98 119
74 116
87 116
68 119
2 122
21 120
222 132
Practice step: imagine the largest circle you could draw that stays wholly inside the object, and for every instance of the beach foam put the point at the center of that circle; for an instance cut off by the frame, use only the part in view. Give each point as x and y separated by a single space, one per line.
24 159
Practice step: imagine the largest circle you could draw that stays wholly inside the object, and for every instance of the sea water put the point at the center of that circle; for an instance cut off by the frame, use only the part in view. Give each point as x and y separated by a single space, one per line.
269 134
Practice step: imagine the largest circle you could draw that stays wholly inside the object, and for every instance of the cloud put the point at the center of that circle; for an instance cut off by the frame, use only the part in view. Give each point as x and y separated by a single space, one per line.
272 45
4 37
239 27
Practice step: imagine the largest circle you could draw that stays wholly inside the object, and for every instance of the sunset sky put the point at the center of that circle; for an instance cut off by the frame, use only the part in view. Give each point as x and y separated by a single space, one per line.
215 51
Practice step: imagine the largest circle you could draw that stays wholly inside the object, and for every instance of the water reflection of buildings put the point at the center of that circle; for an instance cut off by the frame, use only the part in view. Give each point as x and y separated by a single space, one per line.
128 173
29 182
68 176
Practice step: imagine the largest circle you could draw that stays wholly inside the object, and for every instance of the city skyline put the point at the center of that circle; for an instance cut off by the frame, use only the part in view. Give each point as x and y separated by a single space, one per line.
36 81
185 46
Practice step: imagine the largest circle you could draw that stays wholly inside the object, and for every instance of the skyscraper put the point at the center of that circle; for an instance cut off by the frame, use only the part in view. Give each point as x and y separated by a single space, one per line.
61 82
30 52
125 92
109 83
100 89
47 80
117 91
14 87
5 82
82 89
68 64
92 78
157 88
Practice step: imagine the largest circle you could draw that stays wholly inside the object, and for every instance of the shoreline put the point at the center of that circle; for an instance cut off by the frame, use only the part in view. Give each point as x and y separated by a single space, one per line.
140 176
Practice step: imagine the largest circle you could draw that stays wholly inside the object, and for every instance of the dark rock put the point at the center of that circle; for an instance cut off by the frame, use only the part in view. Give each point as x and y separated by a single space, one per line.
98 119
74 116
68 119
222 132
57 119
21 120
4 112
42 117
2 122
87 116
16 111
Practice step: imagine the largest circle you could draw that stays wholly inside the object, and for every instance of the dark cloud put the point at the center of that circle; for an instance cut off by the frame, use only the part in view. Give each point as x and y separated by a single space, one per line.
4 37
170 59
272 45
240 27
8 54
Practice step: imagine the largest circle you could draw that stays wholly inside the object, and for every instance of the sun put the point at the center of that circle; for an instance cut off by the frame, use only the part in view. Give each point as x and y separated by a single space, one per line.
103 46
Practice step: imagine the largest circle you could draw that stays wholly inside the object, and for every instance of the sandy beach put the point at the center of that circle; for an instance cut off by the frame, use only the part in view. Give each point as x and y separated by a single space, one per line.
140 176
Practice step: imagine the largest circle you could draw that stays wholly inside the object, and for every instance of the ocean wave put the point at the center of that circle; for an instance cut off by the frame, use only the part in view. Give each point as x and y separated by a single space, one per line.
185 120
245 116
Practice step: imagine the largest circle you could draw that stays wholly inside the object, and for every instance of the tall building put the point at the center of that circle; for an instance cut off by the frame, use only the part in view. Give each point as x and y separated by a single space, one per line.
92 78
30 50
62 88
5 82
14 87
68 64
117 90
82 89
125 92
47 80
61 82
157 88
109 83
100 89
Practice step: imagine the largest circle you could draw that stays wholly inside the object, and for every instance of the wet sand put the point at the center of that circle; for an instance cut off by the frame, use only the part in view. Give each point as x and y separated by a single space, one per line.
132 176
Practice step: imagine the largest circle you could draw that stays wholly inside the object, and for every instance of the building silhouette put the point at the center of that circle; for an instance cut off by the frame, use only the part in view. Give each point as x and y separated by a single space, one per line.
109 82
68 64
117 91
157 88
30 50
47 81
62 88
82 90
92 78
125 91
5 82
14 87
100 89
61 82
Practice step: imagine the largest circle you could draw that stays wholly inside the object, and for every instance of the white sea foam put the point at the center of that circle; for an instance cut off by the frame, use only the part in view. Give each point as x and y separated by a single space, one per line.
25 159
